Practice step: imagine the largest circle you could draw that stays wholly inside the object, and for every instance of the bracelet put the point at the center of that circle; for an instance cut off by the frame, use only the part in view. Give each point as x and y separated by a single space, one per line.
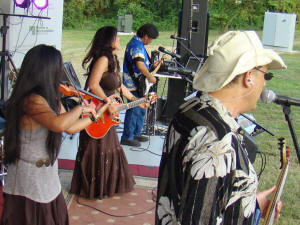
133 98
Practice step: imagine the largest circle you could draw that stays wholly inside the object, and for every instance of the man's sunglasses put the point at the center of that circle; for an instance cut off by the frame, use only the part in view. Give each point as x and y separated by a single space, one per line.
267 75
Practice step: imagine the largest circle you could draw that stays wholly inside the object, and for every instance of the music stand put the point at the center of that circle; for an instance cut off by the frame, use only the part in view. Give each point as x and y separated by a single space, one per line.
4 53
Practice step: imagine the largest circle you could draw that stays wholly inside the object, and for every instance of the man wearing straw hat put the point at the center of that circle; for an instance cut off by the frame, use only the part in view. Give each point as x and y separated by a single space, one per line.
205 174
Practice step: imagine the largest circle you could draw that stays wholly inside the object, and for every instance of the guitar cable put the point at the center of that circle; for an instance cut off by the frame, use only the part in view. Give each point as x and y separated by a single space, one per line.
263 163
141 149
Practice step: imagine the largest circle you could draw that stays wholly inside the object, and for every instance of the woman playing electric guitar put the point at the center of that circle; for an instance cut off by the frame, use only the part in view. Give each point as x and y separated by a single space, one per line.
101 167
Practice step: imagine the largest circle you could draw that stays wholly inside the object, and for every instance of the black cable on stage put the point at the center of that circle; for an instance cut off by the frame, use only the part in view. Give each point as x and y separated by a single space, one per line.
140 149
119 216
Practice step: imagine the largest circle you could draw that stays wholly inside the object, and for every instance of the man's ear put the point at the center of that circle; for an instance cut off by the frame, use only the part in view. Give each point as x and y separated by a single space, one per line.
247 79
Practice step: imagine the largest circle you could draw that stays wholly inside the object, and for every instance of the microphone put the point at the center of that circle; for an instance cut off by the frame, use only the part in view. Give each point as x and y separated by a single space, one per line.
269 96
173 54
178 38
180 70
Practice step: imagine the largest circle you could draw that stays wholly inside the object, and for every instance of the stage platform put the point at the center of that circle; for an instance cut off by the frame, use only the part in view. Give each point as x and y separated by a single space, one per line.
143 161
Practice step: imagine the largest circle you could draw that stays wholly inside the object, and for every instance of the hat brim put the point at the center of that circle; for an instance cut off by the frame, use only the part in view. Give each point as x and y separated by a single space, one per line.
209 81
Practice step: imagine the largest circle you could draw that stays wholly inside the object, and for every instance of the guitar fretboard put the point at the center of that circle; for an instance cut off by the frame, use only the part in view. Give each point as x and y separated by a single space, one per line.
269 219
131 104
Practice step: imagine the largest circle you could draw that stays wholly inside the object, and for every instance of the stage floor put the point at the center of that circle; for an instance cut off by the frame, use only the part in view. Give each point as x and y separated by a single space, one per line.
133 208
143 161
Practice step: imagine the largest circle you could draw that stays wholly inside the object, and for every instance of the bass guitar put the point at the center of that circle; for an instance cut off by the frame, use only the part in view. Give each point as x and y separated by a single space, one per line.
98 129
285 162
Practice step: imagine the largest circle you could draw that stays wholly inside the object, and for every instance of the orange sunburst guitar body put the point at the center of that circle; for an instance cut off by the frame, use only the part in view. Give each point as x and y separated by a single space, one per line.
99 128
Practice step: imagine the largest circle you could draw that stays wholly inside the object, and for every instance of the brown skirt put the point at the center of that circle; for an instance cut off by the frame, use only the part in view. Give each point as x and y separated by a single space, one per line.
101 168
21 210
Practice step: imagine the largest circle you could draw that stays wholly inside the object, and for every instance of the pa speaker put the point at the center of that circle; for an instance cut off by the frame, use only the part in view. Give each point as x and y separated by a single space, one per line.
193 26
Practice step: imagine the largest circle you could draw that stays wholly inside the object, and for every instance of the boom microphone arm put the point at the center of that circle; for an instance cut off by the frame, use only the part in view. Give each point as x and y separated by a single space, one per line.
189 50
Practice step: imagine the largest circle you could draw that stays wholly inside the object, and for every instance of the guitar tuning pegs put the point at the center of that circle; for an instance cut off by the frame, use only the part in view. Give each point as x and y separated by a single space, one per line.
281 141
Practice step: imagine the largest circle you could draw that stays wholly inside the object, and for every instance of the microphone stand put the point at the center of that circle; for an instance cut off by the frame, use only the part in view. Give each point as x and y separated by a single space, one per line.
190 81
189 50
287 113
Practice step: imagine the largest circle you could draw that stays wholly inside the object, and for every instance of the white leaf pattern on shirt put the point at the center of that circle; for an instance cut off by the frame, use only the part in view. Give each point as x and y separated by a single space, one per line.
246 188
209 156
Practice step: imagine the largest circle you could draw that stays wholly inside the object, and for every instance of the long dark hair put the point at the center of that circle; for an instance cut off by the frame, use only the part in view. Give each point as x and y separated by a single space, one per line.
40 73
101 45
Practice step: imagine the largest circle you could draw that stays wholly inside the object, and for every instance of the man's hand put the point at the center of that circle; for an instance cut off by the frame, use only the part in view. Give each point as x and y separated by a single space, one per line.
143 69
151 79
157 63
263 202
145 105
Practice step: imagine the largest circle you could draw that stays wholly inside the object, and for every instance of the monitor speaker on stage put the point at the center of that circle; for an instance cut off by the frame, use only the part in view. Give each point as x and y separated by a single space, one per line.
193 25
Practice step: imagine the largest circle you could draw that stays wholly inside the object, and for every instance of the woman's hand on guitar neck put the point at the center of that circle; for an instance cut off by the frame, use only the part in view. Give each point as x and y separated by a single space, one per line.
112 109
263 202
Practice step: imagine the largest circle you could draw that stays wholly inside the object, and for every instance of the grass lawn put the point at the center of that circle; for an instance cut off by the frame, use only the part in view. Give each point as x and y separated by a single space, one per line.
285 82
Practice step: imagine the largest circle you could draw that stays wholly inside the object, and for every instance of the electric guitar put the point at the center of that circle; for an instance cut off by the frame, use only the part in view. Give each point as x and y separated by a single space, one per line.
144 80
285 162
99 128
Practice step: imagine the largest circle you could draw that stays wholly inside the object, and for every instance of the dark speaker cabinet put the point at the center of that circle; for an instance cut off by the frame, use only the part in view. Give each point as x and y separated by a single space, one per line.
192 24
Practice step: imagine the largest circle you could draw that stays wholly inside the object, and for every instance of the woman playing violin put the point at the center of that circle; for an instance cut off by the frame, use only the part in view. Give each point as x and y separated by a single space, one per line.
35 120
101 167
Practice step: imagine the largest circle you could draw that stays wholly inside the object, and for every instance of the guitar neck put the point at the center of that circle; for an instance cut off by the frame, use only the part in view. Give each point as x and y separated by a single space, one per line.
131 104
270 216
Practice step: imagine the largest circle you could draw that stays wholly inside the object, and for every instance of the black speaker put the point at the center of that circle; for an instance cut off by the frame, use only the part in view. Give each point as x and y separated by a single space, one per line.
193 25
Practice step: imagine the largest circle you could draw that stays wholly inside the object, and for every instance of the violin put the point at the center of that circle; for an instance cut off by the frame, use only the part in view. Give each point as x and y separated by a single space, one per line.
68 90
86 98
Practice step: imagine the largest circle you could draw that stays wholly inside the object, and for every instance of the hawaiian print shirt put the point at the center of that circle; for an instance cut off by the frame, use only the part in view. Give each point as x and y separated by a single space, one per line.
205 175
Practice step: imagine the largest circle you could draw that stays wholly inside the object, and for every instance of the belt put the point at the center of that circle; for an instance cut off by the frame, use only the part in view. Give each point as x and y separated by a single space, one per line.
39 163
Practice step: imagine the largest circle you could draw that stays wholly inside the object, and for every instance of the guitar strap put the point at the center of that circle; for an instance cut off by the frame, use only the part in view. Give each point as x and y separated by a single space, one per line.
131 72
